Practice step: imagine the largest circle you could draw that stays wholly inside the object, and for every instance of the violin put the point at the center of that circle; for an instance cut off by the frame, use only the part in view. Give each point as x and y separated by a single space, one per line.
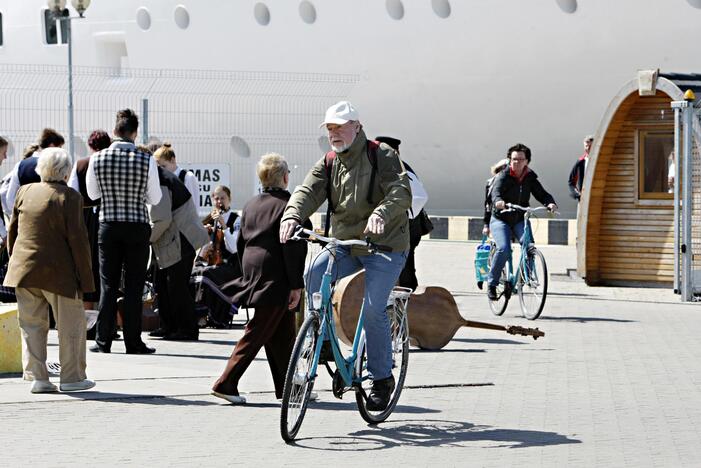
214 256
432 312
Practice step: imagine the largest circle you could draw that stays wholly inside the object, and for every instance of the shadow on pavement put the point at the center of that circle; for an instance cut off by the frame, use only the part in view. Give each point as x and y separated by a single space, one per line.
443 350
350 405
131 398
585 319
488 341
434 433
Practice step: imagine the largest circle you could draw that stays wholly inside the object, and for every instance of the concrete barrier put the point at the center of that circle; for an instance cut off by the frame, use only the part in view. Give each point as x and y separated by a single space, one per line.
10 340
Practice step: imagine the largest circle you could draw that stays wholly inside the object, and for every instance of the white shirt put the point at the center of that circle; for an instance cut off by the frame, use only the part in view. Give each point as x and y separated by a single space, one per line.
191 184
153 185
230 238
73 178
14 185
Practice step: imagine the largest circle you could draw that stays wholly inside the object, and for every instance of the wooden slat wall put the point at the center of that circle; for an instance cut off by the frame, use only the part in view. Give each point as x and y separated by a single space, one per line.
627 241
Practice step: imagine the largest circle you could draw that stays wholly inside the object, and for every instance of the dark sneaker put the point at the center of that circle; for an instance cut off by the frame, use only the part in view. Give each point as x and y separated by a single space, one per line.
381 393
492 293
159 333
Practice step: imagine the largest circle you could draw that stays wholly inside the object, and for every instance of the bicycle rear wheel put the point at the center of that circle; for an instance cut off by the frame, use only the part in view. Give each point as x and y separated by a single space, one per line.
299 381
503 288
533 287
399 324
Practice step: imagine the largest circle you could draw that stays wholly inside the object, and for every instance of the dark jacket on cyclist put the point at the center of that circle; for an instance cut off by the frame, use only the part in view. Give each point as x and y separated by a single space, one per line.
510 189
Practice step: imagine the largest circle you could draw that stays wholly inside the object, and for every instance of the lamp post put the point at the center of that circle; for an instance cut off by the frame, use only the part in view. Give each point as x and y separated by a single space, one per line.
58 7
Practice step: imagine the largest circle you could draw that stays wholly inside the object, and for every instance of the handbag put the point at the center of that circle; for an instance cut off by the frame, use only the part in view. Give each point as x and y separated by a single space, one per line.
7 294
425 223
482 261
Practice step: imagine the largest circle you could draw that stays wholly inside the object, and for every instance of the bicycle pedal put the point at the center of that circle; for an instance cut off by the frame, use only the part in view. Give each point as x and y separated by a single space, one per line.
337 385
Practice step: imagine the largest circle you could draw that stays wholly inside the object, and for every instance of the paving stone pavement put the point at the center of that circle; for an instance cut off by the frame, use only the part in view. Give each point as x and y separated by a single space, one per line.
615 382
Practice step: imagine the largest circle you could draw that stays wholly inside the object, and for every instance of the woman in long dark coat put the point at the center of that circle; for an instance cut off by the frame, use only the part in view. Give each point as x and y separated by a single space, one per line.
272 282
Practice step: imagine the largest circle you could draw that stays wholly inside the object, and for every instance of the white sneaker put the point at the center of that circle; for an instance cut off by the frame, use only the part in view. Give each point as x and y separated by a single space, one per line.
43 386
233 399
313 396
77 386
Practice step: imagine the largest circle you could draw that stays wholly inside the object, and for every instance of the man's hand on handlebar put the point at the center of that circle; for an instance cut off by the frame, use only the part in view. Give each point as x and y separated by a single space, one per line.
552 207
376 225
287 228
500 205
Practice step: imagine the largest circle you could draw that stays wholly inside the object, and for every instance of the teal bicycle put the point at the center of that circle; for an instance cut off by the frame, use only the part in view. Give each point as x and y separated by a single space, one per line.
351 372
531 278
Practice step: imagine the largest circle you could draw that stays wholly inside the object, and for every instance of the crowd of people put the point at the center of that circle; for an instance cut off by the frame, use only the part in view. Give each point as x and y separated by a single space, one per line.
82 234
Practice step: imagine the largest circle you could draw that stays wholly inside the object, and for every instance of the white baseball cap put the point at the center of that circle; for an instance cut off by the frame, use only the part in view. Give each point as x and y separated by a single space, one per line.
340 113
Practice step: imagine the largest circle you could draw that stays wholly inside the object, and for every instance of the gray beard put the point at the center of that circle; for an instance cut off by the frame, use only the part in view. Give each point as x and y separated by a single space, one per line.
340 149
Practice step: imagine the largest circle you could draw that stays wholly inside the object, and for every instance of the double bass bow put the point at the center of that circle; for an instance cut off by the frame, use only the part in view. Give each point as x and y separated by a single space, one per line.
432 312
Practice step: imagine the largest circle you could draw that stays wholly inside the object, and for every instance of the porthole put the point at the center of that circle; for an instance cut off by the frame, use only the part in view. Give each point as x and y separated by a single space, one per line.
695 3
240 147
182 17
307 12
441 8
324 144
395 9
262 14
568 6
143 18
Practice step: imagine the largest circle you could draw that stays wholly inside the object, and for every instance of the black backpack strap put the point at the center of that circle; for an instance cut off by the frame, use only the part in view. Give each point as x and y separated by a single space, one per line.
372 156
329 158
182 175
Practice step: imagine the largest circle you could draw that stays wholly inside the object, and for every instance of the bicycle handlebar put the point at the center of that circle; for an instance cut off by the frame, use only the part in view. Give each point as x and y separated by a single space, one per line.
367 243
527 209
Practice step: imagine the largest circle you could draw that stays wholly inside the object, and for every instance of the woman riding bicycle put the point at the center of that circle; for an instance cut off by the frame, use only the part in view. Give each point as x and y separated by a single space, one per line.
515 186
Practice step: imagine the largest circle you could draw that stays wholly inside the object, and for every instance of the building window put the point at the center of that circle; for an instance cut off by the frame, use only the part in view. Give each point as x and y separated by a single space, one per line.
53 28
0 29
656 164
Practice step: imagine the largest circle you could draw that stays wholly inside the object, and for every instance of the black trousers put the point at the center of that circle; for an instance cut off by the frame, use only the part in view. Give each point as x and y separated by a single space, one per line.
123 246
407 278
176 307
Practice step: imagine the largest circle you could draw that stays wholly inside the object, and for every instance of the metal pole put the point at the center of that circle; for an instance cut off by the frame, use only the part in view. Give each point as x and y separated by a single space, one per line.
677 172
144 119
687 292
66 20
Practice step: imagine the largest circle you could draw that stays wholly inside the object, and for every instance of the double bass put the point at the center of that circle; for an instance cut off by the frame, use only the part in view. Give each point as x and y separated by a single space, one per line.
432 312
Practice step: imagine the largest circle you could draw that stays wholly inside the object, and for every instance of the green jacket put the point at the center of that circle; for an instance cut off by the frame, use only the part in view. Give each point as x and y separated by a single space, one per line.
349 188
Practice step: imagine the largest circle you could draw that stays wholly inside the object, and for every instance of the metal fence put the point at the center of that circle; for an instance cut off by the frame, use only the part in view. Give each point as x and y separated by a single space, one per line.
229 117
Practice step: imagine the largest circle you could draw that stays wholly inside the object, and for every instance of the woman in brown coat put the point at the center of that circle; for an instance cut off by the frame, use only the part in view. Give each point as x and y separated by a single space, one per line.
50 265
272 282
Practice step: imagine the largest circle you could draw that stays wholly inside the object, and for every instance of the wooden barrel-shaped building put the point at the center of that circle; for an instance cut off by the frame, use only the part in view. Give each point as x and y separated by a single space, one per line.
625 222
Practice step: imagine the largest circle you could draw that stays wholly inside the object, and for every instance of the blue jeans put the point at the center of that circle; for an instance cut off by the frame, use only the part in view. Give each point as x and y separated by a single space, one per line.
380 277
501 232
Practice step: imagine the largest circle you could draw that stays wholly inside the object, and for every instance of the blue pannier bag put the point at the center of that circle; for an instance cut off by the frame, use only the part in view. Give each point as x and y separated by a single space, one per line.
482 261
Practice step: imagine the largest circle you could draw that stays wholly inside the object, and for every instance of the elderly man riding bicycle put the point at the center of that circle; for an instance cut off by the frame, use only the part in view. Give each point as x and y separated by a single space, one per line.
369 191
512 185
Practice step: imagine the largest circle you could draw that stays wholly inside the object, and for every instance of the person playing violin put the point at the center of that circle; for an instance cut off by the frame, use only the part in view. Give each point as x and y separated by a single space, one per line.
223 225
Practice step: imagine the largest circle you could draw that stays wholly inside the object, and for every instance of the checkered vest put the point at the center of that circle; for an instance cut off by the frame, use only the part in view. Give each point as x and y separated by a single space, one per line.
122 175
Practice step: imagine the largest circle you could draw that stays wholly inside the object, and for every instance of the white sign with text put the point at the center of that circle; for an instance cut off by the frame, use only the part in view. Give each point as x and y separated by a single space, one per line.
208 177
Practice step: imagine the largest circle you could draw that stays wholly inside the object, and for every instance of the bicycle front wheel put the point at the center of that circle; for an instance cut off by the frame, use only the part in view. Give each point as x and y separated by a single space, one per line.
533 285
299 381
399 324
503 289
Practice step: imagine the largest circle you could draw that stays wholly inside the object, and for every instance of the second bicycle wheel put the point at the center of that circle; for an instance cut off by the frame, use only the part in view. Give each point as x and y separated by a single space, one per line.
503 289
299 381
399 324
533 285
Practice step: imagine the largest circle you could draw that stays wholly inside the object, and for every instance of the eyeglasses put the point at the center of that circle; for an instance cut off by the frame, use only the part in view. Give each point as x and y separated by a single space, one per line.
518 159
